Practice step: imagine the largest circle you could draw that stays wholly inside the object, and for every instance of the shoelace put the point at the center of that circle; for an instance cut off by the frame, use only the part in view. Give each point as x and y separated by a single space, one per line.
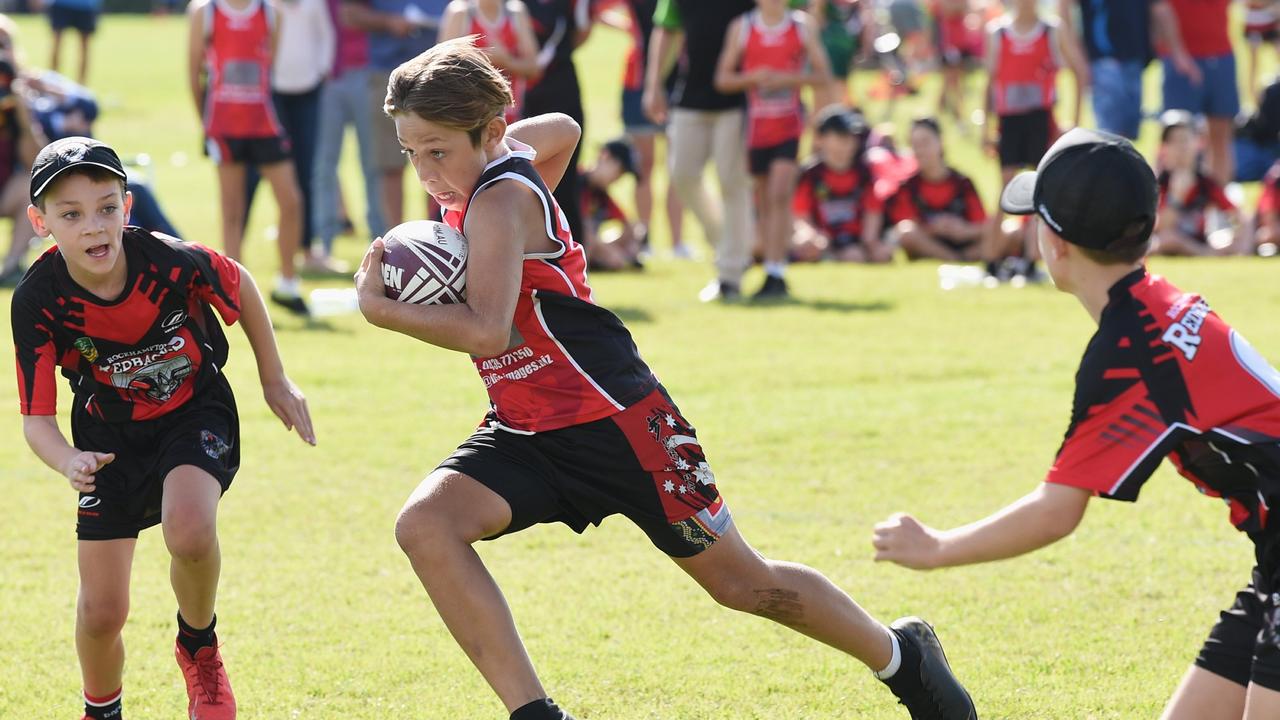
207 676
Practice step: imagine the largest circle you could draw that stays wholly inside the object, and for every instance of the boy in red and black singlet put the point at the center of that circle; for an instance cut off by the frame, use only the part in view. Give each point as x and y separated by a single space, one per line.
1024 53
771 53
232 43
936 212
1267 222
578 428
837 212
1187 194
618 250
1164 376
131 317
503 31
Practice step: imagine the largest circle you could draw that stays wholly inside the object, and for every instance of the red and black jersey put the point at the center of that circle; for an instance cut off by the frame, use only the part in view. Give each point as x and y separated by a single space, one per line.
922 200
573 361
597 206
1269 200
836 202
139 356
1204 192
1165 376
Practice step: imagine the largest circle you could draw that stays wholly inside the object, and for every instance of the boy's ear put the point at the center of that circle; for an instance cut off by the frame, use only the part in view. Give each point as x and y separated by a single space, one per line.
1059 247
494 132
128 206
37 221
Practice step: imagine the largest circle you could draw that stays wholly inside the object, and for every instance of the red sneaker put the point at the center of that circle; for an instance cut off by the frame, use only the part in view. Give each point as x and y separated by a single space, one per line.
209 694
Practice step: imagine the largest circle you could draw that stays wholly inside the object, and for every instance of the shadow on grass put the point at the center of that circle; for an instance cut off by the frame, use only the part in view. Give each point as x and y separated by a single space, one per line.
819 304
299 325
631 314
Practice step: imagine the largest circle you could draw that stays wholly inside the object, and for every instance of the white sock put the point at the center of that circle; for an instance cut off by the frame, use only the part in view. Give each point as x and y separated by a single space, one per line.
894 662
289 286
775 269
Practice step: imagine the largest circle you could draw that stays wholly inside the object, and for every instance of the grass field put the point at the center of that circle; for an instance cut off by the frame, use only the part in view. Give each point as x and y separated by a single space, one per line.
873 392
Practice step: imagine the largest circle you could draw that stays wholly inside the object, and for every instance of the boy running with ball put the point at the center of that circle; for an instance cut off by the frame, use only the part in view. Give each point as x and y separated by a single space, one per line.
582 429
1164 376
129 317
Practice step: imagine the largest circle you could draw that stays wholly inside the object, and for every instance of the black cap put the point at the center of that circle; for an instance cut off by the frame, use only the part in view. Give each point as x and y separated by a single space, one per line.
1093 188
842 120
60 156
622 151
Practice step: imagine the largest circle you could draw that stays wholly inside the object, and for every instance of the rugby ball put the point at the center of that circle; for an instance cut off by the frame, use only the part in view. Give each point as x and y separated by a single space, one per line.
424 263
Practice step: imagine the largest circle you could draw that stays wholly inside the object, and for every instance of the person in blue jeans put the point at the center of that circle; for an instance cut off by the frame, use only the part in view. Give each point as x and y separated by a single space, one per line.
1214 93
1117 37
1257 137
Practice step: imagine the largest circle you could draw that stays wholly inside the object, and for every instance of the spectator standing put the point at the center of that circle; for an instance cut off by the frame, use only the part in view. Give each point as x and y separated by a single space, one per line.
399 30
1261 25
303 57
705 124
1118 42
847 29
20 140
504 33
1257 137
560 26
771 53
937 211
344 101
1214 91
78 15
230 48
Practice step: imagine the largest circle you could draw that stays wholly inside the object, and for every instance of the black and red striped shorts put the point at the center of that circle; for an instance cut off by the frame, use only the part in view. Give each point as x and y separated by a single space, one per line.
644 462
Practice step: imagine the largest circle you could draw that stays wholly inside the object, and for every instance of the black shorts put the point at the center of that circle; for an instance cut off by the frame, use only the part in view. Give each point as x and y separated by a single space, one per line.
761 159
1025 137
1243 646
80 19
248 151
644 462
205 433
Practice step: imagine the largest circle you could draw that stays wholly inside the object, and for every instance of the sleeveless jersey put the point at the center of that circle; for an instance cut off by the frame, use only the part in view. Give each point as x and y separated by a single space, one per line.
1026 70
571 361
1192 208
773 116
500 34
237 57
139 356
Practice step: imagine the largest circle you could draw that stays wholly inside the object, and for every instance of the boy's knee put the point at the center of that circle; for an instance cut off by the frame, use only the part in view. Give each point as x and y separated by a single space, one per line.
102 616
420 528
734 593
190 540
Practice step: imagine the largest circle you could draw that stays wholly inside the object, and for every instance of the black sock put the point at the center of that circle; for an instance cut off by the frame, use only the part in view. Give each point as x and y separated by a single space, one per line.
544 709
907 679
192 639
107 708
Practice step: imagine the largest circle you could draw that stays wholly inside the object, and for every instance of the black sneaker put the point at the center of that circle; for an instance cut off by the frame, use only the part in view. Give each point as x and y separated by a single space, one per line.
924 683
721 291
293 303
774 288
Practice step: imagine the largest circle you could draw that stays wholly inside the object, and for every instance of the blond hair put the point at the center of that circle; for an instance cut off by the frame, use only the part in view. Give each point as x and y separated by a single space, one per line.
452 84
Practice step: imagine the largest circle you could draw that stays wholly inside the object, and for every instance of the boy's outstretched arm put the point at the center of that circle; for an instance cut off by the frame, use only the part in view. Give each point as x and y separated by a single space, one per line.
282 396
1043 516
554 136
51 446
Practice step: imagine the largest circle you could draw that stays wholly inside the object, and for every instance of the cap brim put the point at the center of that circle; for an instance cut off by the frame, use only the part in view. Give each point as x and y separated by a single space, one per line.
1018 197
35 192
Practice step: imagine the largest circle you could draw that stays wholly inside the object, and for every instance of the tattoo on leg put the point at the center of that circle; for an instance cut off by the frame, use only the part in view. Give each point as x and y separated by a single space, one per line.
780 605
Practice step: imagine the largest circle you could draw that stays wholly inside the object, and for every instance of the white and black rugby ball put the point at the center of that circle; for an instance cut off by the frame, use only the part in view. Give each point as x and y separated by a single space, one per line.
425 263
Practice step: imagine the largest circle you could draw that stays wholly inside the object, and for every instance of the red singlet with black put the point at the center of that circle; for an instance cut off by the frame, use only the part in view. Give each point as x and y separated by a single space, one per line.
136 357
237 101
572 361
502 34
1026 70
773 116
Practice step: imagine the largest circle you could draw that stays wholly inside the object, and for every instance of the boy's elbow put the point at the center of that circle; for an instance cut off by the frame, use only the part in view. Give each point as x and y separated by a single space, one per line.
489 343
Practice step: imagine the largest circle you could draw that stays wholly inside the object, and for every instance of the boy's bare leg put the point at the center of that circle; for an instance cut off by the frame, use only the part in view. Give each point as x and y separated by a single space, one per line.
441 519
780 187
101 610
1221 156
1202 695
391 184
284 184
189 515
231 179
54 53
1261 703
801 598
84 58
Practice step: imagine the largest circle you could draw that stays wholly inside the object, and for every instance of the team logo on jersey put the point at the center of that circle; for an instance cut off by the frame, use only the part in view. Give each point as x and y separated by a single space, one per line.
213 446
86 348
174 321
157 380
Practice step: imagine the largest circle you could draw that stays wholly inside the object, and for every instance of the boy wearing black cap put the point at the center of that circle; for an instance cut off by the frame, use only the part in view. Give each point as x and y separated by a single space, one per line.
837 212
1163 376
129 317
616 158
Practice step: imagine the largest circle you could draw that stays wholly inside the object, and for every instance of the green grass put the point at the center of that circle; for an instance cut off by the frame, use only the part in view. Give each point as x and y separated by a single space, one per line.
874 392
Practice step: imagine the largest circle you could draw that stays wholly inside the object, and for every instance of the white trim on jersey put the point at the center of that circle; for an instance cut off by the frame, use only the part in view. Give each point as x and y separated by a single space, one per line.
537 310
568 283
1147 453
